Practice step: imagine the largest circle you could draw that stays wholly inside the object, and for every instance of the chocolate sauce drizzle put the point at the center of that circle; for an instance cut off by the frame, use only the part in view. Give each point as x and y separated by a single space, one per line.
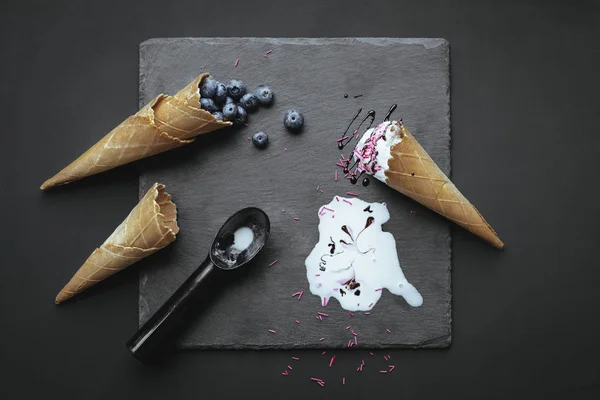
391 110
343 143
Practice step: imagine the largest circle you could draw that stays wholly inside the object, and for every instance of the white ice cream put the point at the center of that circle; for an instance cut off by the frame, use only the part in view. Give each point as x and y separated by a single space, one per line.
355 259
242 238
373 150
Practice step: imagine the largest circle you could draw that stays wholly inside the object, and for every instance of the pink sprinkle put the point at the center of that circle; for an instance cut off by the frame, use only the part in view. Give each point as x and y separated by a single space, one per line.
367 313
289 367
320 340
371 353
301 293
272 331
285 149
362 362
328 209
351 314
245 124
321 383
323 353
370 305
352 332
356 340
317 274
336 198
321 190
335 175
388 331
343 381
383 372
248 137
340 165
351 194
332 216
331 362
237 61
413 212
296 219
357 304
349 343
298 322
268 52
318 187
296 294
378 290
319 317
273 263
348 327
342 139
323 314
392 368
389 357
324 301
295 359
347 201
385 358
284 373
316 379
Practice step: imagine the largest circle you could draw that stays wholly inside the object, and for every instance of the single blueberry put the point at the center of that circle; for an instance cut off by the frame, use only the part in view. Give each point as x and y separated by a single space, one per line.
260 140
208 88
229 111
218 115
208 105
236 89
241 117
220 94
293 120
249 101
265 95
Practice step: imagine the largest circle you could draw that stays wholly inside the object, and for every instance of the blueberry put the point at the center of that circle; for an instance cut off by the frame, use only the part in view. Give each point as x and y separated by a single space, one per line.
229 111
265 95
260 140
236 89
220 94
241 117
249 101
228 100
293 120
219 116
208 88
208 105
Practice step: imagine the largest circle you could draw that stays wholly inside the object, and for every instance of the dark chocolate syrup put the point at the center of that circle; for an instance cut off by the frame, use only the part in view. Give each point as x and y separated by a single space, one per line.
345 229
357 96
341 144
368 209
370 220
345 96
370 114
366 182
392 108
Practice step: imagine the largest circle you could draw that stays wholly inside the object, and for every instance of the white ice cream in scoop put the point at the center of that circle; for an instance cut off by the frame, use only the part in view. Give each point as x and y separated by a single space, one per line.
242 238
355 259
373 150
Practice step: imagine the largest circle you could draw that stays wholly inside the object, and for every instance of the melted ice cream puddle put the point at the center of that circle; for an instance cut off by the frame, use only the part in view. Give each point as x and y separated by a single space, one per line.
242 238
355 259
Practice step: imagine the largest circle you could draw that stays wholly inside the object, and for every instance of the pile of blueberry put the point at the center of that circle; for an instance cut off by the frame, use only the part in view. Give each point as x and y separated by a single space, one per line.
231 102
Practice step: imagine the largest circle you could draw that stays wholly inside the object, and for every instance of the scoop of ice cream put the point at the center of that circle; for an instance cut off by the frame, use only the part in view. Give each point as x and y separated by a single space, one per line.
355 259
374 148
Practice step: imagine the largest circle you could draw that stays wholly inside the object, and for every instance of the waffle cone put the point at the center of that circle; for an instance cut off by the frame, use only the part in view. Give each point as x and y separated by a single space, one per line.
412 172
150 226
167 122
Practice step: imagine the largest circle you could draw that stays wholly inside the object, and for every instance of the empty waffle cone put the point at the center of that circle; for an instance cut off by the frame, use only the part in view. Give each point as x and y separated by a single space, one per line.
167 122
412 172
150 226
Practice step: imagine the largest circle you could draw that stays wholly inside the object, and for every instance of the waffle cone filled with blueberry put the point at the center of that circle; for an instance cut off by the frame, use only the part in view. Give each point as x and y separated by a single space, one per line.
165 123
391 154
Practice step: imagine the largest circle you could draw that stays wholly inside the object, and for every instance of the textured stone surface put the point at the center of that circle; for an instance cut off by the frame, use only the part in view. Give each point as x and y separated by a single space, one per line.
223 172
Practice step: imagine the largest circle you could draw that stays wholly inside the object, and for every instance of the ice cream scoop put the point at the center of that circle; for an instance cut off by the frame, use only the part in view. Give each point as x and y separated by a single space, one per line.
239 240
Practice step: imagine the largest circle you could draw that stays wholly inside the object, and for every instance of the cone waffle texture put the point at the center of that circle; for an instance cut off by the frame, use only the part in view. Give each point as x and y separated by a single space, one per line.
150 226
167 122
412 172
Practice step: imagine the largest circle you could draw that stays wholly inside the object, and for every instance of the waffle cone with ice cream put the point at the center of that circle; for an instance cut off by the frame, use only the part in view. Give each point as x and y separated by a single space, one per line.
391 154
165 123
151 225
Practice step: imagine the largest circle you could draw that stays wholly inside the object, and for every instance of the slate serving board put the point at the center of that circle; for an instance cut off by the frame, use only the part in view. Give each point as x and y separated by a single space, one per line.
223 172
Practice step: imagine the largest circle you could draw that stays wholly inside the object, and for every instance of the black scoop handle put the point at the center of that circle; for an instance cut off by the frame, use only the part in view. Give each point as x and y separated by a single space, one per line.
156 336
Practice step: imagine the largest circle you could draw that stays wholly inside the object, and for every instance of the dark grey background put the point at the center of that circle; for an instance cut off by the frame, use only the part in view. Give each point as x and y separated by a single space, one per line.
223 172
525 141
